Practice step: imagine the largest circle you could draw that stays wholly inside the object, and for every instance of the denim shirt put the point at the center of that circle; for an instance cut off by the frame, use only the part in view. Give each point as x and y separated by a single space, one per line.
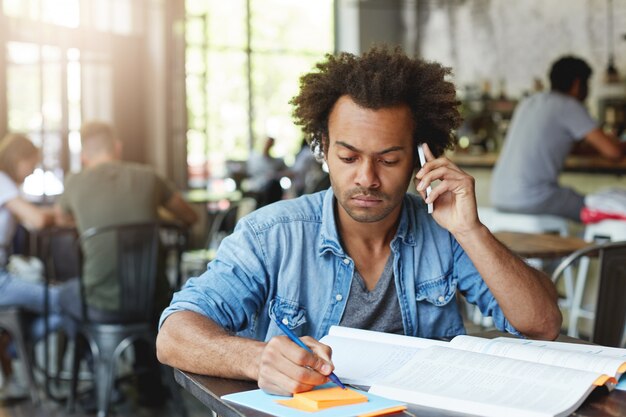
285 261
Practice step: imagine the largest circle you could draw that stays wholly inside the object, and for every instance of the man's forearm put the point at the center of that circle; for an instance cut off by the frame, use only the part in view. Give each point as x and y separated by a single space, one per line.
526 296
194 343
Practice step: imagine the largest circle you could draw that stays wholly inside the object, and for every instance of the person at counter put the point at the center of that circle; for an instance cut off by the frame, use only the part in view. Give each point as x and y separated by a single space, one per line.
543 130
364 253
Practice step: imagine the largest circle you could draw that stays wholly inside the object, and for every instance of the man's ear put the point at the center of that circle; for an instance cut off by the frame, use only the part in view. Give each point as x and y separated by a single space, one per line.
574 90
325 144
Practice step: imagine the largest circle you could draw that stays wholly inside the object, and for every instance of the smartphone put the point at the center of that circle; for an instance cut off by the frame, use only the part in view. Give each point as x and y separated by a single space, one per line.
422 157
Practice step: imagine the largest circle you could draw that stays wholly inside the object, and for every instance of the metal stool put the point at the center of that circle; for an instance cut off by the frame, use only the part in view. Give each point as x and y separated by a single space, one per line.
13 321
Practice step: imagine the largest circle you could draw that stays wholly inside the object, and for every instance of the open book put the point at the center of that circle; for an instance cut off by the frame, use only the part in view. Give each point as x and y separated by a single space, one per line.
486 377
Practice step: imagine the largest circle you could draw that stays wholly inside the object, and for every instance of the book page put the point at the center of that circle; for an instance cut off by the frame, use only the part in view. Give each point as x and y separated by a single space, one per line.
574 347
541 354
487 385
363 362
380 337
362 357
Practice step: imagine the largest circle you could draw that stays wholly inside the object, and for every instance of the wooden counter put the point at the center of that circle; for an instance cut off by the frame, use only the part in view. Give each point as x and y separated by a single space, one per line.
592 164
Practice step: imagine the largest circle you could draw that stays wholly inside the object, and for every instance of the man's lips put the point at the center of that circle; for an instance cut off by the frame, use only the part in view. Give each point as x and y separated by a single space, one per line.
366 201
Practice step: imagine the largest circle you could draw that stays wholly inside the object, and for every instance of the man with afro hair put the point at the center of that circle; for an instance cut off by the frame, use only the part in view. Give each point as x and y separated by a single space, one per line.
364 253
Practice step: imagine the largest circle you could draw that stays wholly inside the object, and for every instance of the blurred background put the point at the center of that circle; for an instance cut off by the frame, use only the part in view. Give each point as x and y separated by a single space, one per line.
194 86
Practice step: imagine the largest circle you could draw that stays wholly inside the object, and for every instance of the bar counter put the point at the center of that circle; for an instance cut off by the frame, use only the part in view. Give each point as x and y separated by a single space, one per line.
591 164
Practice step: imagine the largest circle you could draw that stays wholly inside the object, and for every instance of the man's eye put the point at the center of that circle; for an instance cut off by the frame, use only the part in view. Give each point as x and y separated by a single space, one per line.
347 160
389 163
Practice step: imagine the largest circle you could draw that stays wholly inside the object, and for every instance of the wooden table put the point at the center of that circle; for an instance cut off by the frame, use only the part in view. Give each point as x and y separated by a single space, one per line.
209 390
540 245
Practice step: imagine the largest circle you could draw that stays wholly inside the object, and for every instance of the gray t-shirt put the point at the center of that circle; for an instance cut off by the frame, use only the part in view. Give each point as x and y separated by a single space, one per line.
542 132
378 309
8 223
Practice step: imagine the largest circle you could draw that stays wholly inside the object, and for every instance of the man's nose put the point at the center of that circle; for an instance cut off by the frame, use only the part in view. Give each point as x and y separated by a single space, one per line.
367 176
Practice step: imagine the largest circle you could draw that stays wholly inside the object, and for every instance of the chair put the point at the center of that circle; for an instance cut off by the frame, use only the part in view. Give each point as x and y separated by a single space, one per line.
12 319
610 313
110 334
226 220
602 231
195 262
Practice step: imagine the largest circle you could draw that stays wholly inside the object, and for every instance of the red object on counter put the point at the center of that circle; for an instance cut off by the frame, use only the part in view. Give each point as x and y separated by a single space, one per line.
588 215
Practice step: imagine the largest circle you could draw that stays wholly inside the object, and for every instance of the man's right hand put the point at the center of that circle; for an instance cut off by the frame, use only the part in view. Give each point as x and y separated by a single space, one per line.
286 368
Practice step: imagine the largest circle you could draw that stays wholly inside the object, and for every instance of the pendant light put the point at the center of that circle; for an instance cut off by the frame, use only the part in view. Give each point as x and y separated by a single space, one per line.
611 75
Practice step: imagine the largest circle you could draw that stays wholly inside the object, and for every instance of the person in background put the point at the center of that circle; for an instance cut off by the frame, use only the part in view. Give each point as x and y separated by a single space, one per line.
541 134
264 174
364 253
18 158
107 192
306 170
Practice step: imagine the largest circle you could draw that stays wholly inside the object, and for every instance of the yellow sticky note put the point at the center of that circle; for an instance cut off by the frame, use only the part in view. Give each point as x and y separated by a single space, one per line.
323 398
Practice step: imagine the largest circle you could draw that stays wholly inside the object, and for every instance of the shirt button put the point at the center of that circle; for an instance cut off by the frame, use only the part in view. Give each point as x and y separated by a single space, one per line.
441 299
346 261
285 321
338 297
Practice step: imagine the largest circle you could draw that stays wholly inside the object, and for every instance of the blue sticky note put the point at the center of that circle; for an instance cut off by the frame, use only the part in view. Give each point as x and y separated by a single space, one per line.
621 384
259 400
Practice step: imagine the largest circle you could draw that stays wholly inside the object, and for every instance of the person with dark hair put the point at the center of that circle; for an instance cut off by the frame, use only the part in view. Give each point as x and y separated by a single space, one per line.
18 158
109 192
364 253
542 132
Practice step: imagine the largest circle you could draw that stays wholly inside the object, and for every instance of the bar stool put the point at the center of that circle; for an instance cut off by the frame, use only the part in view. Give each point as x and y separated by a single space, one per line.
605 230
497 221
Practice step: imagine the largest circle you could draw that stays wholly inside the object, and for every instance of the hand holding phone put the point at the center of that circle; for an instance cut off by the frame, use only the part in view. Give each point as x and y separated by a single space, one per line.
429 189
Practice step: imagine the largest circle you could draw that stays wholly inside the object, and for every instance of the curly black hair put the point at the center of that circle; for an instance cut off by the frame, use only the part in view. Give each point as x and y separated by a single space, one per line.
381 77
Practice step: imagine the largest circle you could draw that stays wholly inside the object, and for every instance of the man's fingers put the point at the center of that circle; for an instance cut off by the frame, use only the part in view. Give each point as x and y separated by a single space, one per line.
286 367
427 152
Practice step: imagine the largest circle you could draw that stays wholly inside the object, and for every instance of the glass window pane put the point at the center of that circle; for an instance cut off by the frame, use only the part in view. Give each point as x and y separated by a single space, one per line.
27 9
23 87
101 15
122 23
275 83
196 7
73 89
97 97
279 24
228 104
61 12
195 31
52 96
227 23
51 150
194 62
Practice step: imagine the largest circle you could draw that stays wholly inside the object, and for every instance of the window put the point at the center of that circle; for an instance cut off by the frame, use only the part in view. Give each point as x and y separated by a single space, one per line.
58 72
243 62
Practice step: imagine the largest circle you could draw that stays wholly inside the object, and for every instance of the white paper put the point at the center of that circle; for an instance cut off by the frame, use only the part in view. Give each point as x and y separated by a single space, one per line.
575 359
486 385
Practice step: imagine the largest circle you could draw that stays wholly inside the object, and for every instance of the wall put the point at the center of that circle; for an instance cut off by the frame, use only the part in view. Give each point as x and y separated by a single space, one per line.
516 41
362 23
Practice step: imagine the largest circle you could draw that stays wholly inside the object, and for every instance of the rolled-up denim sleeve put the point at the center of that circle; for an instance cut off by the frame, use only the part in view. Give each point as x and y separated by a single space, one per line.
234 286
476 291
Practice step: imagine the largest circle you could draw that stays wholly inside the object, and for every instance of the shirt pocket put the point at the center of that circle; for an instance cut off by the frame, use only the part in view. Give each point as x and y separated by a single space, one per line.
437 291
288 312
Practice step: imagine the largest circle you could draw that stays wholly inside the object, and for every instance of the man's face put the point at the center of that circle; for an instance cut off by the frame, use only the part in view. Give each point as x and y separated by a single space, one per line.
370 159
